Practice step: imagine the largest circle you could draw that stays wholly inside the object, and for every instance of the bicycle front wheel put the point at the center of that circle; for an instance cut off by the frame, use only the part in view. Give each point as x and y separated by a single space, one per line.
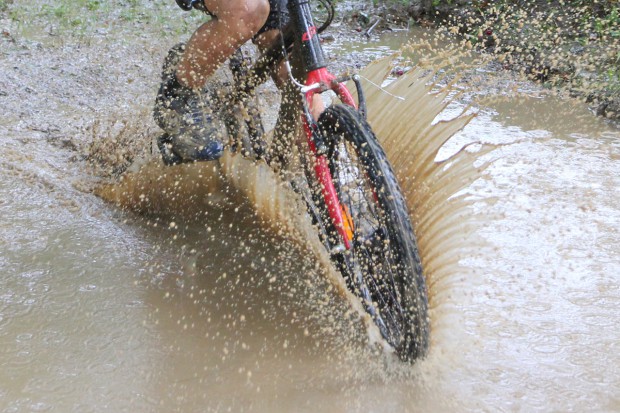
383 266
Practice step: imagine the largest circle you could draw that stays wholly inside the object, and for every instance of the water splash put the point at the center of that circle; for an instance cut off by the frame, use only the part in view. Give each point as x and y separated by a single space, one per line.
402 115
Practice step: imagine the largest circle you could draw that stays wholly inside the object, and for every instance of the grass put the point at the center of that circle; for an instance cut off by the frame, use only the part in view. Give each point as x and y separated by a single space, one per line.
4 4
82 19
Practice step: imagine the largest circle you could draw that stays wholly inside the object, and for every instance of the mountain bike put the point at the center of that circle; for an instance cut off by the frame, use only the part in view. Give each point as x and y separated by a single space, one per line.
349 188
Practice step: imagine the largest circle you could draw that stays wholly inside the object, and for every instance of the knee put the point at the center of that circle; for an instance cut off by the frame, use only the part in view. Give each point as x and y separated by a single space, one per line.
250 16
256 16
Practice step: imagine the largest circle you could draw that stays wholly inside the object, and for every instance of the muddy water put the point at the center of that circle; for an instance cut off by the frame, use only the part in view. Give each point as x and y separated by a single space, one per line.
546 331
104 310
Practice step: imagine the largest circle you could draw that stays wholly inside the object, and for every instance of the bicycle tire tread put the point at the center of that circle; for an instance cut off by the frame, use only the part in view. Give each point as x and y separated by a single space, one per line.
411 282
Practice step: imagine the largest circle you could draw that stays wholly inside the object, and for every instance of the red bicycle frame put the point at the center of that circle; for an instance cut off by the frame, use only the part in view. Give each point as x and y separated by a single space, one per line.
319 79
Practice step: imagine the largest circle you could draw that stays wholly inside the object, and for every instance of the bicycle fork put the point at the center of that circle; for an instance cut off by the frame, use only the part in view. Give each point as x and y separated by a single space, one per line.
320 80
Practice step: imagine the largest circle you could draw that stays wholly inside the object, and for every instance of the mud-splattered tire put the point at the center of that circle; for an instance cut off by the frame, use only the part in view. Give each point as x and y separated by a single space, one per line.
383 268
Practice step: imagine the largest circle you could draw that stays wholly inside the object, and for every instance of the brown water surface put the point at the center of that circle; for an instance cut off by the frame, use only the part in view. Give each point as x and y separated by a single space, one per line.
109 311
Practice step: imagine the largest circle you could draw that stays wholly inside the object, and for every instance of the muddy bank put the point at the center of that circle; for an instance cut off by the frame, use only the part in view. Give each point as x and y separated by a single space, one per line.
84 87
572 49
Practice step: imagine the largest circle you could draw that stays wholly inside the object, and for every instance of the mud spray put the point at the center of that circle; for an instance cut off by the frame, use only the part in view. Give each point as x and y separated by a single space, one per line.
402 115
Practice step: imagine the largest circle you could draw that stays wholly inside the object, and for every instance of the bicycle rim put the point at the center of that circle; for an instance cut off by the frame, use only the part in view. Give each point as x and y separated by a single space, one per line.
383 267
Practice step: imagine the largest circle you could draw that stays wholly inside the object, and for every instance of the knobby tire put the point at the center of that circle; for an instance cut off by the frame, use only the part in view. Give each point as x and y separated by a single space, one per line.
383 268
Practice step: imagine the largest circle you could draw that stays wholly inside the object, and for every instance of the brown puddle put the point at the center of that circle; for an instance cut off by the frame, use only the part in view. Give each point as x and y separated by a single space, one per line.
196 306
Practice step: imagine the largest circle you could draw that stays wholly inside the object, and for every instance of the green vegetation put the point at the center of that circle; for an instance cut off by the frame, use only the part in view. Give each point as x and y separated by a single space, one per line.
4 4
570 45
83 19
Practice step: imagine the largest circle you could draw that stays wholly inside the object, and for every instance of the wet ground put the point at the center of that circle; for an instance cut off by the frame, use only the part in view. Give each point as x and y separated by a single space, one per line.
105 310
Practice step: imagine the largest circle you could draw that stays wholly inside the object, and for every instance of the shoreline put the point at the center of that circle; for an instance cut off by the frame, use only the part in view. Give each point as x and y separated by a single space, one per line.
543 44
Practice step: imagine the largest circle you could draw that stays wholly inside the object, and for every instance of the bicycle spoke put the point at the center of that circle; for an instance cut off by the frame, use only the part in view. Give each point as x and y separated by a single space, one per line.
366 214
382 267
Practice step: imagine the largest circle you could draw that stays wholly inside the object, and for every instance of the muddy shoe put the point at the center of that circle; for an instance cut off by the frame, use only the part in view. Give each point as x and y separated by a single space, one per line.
193 130
188 120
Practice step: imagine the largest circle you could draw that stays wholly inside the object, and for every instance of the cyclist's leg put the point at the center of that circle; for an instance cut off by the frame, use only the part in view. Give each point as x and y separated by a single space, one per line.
269 32
234 23
184 108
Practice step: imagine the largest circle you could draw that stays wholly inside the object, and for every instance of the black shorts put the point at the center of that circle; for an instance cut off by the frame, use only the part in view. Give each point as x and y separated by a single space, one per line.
278 16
